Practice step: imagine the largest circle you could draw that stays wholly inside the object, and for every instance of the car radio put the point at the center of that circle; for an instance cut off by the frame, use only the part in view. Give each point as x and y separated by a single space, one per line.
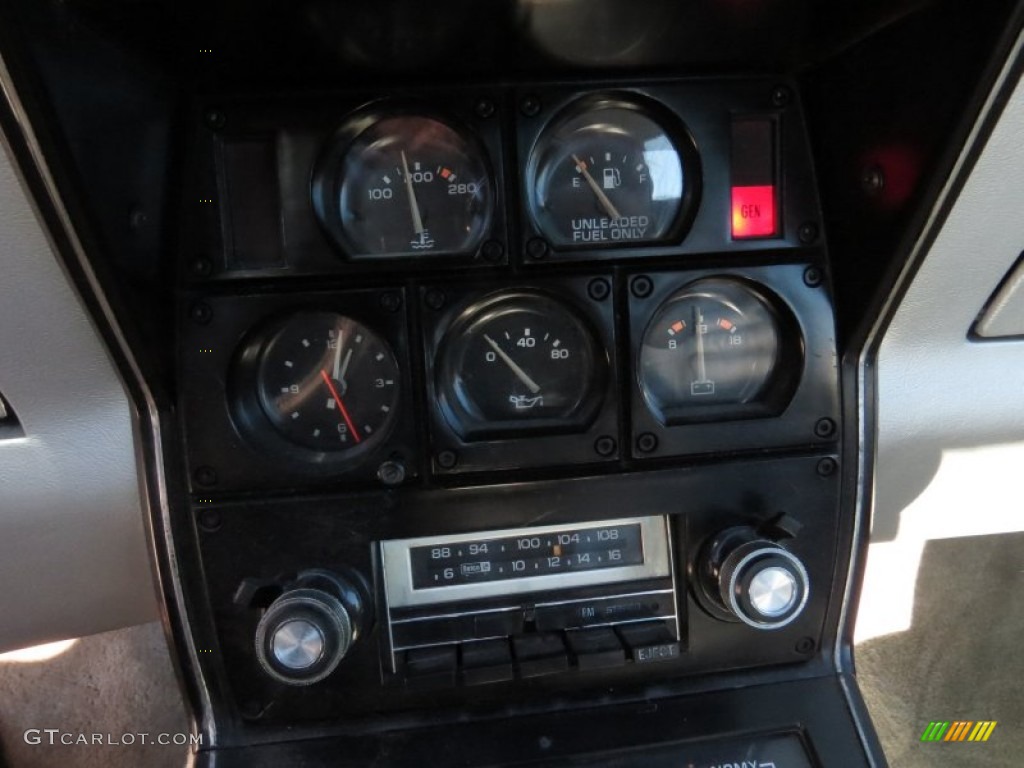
471 603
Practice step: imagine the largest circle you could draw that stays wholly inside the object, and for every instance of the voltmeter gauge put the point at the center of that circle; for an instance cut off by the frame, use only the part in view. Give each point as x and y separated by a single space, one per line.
520 362
403 185
327 383
713 350
608 173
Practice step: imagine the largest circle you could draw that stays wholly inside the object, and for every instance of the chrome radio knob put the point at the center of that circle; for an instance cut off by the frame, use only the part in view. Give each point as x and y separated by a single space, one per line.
298 644
306 632
752 579
773 591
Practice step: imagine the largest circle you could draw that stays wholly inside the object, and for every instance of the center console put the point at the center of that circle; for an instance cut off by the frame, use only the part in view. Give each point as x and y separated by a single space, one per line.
506 403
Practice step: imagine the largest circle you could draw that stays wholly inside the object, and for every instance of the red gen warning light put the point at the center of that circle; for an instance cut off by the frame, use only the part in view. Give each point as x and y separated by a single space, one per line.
753 211
752 177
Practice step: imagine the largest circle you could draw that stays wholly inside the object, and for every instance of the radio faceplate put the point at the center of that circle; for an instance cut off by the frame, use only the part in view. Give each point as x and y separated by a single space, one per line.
445 569
527 602
608 634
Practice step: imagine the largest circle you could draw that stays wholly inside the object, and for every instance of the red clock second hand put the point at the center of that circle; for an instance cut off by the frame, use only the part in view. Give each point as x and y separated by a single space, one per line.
341 406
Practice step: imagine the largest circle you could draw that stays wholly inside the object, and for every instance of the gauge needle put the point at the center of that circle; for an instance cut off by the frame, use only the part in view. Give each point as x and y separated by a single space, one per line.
337 354
414 208
522 375
344 367
602 198
341 405
698 320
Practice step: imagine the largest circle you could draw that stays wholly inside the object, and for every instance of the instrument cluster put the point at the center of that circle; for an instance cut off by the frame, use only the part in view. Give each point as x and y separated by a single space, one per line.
521 178
383 385
606 171
467 322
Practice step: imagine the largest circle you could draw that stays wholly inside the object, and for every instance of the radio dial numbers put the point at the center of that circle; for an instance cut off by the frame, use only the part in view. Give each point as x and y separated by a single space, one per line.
533 555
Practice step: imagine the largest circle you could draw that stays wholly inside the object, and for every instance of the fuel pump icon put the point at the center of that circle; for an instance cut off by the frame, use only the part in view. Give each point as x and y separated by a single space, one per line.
611 178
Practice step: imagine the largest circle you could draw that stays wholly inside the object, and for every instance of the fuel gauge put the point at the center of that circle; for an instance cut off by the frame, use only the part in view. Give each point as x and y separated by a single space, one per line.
608 173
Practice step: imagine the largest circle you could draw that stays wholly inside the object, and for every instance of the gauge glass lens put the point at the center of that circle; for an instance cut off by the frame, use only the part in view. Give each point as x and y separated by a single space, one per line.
606 176
413 186
713 344
328 383
518 362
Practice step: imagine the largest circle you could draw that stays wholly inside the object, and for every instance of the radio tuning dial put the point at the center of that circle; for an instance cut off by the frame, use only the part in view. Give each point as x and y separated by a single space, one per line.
747 577
306 632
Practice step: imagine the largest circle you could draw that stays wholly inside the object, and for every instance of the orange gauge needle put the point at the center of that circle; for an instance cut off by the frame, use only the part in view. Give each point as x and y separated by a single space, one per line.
602 198
341 406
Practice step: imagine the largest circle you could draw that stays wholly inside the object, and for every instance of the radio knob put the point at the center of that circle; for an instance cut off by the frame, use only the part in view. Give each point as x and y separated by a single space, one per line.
754 580
306 632
298 644
773 591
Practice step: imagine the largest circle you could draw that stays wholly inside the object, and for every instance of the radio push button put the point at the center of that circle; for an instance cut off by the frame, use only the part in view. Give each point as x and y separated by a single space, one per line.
431 666
650 641
486 661
498 623
597 648
409 633
540 654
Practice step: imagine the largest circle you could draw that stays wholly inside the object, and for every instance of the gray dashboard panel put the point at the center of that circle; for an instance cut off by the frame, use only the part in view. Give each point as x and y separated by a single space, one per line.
941 395
73 548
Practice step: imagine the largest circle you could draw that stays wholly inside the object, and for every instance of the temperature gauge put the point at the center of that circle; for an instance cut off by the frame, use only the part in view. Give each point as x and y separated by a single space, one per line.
403 185
711 351
519 362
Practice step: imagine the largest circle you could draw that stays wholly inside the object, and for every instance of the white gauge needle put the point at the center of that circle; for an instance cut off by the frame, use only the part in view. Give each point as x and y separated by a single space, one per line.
414 208
344 367
602 198
522 375
337 355
698 320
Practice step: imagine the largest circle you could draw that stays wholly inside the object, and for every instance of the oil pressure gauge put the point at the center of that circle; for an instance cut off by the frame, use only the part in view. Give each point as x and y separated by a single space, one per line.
610 173
519 362
715 351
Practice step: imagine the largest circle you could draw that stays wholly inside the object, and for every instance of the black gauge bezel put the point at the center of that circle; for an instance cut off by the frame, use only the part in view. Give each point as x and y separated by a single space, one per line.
674 128
597 442
230 444
326 180
782 375
806 412
249 411
489 308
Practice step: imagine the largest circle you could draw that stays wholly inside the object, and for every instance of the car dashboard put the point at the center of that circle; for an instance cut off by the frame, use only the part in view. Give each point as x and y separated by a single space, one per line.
505 436
496 363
